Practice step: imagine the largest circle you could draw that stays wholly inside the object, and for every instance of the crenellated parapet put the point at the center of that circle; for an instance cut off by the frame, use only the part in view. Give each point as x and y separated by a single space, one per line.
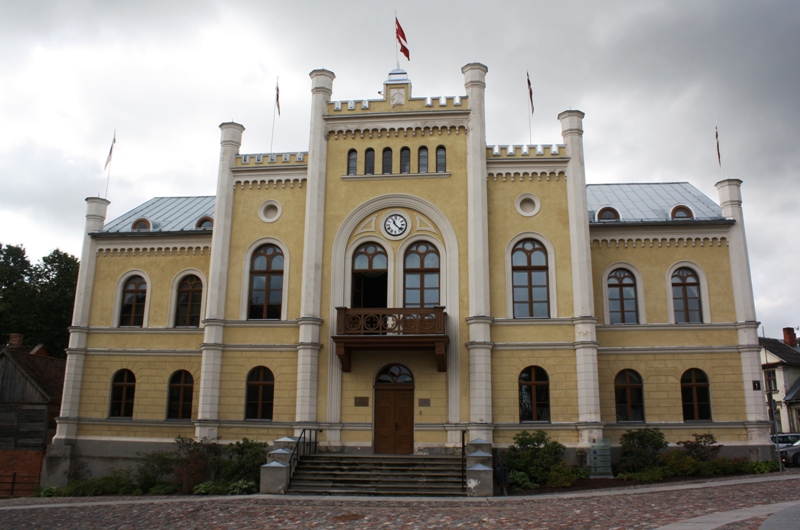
382 105
617 242
526 150
501 175
272 159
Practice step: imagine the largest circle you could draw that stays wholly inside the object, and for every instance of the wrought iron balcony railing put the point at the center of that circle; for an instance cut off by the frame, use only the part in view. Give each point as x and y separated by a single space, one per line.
391 321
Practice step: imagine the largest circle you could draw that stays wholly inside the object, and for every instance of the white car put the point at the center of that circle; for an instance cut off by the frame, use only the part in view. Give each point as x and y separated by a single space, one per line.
785 439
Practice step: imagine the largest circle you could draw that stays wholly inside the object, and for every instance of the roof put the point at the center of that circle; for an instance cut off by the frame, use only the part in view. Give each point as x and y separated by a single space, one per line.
781 350
648 202
792 393
46 372
166 214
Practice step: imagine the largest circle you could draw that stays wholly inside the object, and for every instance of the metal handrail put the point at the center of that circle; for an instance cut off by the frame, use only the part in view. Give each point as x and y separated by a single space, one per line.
391 321
463 461
306 444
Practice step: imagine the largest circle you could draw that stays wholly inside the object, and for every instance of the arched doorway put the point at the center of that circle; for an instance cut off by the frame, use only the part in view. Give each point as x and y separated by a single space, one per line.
394 411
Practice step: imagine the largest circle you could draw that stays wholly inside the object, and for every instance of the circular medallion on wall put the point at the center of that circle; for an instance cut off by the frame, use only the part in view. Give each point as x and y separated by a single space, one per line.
270 211
395 225
528 204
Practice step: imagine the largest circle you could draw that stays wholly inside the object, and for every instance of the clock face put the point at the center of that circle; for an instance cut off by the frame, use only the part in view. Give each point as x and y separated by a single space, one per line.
395 224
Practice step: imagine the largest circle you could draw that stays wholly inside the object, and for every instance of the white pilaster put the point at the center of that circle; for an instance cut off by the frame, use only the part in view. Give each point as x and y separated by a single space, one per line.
581 261
96 209
214 323
311 294
730 198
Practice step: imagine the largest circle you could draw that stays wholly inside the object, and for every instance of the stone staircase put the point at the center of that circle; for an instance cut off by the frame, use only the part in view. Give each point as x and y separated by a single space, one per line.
408 475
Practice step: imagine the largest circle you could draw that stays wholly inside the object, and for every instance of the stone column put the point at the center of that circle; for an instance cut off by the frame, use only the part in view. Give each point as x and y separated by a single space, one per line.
479 320
78 333
214 324
583 295
309 344
730 198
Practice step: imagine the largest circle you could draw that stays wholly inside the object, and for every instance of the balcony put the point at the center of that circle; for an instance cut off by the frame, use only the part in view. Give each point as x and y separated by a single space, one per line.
420 329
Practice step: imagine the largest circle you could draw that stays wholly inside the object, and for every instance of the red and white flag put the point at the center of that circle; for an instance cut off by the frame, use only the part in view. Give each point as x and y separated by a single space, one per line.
111 151
719 157
401 38
278 97
530 90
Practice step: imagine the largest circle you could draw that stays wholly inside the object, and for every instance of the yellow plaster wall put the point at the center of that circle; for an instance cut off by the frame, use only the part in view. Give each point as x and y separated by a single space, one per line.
168 339
261 334
160 267
125 429
653 264
662 373
262 432
561 370
539 332
235 367
692 336
247 228
152 383
552 221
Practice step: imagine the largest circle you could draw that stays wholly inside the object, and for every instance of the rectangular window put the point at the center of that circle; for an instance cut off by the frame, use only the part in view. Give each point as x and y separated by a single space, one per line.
770 381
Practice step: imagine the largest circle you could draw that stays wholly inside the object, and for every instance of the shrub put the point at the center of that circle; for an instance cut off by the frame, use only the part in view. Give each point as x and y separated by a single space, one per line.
197 462
679 464
561 476
639 449
242 487
52 491
246 459
645 476
704 448
211 487
762 467
164 488
154 468
722 466
519 481
534 454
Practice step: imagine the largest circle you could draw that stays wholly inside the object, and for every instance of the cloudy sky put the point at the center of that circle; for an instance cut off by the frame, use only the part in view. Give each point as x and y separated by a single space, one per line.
652 77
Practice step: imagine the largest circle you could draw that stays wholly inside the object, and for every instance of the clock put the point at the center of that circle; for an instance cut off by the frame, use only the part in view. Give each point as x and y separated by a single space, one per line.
395 224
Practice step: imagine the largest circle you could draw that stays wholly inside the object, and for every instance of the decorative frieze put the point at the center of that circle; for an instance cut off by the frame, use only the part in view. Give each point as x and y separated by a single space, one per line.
269 182
657 242
153 251
395 132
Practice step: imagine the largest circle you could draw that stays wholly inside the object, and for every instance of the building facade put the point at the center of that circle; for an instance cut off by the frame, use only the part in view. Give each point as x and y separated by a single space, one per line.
780 361
400 282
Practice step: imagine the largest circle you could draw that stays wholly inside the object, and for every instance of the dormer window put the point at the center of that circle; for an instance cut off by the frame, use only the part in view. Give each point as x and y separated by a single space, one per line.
141 225
205 223
608 214
681 212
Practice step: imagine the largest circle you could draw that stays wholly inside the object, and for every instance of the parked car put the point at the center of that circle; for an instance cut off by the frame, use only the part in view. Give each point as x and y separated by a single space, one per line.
791 455
784 440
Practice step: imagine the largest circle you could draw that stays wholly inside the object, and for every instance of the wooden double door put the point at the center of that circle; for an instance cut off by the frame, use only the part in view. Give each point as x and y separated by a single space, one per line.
394 420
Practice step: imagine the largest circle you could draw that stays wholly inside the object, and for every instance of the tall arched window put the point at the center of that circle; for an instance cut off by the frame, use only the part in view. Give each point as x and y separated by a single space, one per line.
260 394
629 396
696 395
370 277
686 296
534 395
352 161
266 283
423 159
622 303
123 387
421 276
441 159
369 161
529 280
387 161
134 298
190 294
181 386
405 160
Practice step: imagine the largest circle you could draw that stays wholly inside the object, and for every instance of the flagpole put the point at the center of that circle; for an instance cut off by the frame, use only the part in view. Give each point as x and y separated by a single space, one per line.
274 106
108 179
530 128
108 162
396 45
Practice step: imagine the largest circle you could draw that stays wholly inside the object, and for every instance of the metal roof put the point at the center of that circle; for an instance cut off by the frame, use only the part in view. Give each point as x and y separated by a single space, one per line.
166 214
647 202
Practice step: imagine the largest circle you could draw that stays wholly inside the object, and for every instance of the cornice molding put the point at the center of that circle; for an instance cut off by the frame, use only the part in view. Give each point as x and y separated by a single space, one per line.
396 129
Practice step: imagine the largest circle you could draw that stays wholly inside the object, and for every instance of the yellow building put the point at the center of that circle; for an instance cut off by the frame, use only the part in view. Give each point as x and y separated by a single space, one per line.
401 282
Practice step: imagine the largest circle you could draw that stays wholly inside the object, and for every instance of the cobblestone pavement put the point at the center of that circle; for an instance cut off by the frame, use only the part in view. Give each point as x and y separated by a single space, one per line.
638 508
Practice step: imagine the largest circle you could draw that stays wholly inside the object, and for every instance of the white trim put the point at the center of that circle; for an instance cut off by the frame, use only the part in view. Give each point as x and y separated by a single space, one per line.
404 233
640 305
704 300
173 297
680 205
401 252
117 310
263 207
537 204
245 291
348 265
607 207
552 293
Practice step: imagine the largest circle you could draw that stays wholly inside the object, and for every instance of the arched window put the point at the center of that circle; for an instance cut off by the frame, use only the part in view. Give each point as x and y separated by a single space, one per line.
682 212
134 298
370 277
387 161
423 159
608 214
394 374
205 223
260 394
352 161
441 159
190 294
534 395
529 280
622 297
696 395
405 160
686 296
123 387
369 162
142 225
421 276
266 283
629 395
181 385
